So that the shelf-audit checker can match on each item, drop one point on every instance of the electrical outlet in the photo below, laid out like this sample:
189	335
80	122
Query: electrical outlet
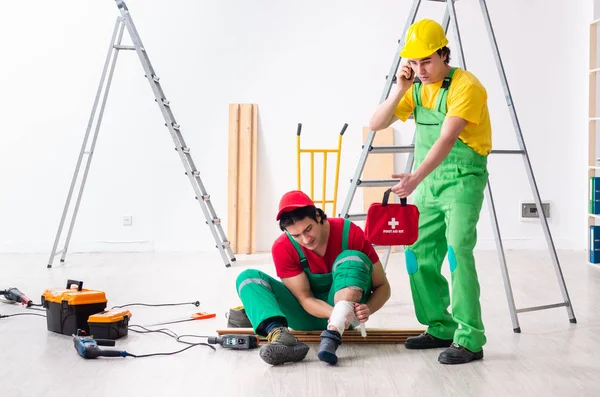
529	210
127	220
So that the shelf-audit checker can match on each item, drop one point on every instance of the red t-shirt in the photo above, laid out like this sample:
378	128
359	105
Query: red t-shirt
287	260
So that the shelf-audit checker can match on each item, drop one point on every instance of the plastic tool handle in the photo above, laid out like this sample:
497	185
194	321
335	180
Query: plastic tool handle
111	353
202	315
79	284
299	129
14	294
105	342
344	128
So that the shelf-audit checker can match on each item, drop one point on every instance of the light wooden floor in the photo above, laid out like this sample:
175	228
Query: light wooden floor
549	358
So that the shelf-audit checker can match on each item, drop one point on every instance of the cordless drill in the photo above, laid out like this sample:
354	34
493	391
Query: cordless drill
237	342
87	347
13	294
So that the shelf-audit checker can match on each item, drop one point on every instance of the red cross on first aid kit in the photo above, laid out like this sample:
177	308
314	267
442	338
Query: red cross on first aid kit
392	224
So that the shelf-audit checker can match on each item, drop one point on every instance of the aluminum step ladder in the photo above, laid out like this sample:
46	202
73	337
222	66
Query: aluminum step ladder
213	221
368	149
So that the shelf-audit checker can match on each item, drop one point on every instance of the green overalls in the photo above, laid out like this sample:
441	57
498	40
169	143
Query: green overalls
265	298
449	201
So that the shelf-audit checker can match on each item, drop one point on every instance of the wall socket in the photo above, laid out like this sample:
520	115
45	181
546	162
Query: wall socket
127	220
529	210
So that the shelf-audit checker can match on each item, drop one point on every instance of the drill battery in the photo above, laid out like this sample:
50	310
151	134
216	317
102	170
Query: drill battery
68	310
111	324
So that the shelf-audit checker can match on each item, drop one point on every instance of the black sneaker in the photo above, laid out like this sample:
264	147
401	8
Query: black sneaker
283	347
426	341
457	354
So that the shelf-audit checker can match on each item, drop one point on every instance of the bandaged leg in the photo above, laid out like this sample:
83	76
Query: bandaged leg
341	316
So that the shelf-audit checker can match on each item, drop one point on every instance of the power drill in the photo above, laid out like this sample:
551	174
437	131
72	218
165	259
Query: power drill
13	294
236	342
87	347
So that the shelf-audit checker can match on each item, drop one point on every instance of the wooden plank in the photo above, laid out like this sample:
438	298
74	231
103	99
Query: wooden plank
254	181
378	166
233	152
374	335
245	180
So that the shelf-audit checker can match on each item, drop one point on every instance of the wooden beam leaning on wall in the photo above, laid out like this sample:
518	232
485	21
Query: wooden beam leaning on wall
243	148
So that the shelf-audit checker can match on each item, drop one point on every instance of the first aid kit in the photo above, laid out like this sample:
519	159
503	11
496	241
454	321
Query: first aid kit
390	224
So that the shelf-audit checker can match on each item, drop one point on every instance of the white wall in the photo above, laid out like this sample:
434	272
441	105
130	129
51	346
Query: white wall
319	63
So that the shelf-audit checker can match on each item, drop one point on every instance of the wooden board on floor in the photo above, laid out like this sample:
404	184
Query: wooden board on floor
378	166
374	335
243	145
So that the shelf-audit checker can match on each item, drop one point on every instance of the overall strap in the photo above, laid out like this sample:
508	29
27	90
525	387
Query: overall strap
440	105
345	234
303	260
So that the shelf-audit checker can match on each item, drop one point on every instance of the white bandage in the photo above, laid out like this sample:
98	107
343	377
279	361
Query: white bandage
343	312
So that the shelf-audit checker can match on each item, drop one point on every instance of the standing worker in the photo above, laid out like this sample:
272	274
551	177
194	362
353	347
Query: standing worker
452	142
331	278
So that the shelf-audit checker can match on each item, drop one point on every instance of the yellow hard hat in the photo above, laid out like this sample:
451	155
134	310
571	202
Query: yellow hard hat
423	38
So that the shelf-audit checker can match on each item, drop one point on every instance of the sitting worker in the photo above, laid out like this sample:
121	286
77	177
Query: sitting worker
331	279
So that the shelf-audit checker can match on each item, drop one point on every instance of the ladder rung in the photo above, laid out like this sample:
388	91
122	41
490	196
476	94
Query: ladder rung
175	126
532	309
195	173
124	47
391	149
356	217
185	150
87	152
508	151
216	221
377	182
165	102
59	252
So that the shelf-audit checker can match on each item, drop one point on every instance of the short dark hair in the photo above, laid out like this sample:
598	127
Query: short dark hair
291	217
444	51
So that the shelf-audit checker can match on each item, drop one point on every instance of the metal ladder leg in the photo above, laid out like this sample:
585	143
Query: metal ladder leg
214	223
530	175
112	53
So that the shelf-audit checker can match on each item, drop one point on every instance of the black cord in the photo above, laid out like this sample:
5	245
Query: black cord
36	309
189	336
167	354
196	303
21	314
169	333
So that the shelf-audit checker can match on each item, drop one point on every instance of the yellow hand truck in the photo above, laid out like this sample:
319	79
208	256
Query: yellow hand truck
323	200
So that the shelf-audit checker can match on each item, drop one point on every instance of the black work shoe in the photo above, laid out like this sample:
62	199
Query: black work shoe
237	318
457	354
426	341
283	347
330	340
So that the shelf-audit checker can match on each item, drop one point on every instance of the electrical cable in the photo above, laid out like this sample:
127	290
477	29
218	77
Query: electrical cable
21	314
171	334
196	303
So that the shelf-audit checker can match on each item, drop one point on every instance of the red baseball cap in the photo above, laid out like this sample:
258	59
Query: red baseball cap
292	200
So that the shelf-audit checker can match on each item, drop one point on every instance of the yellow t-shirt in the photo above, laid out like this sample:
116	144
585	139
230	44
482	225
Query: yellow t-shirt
467	99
